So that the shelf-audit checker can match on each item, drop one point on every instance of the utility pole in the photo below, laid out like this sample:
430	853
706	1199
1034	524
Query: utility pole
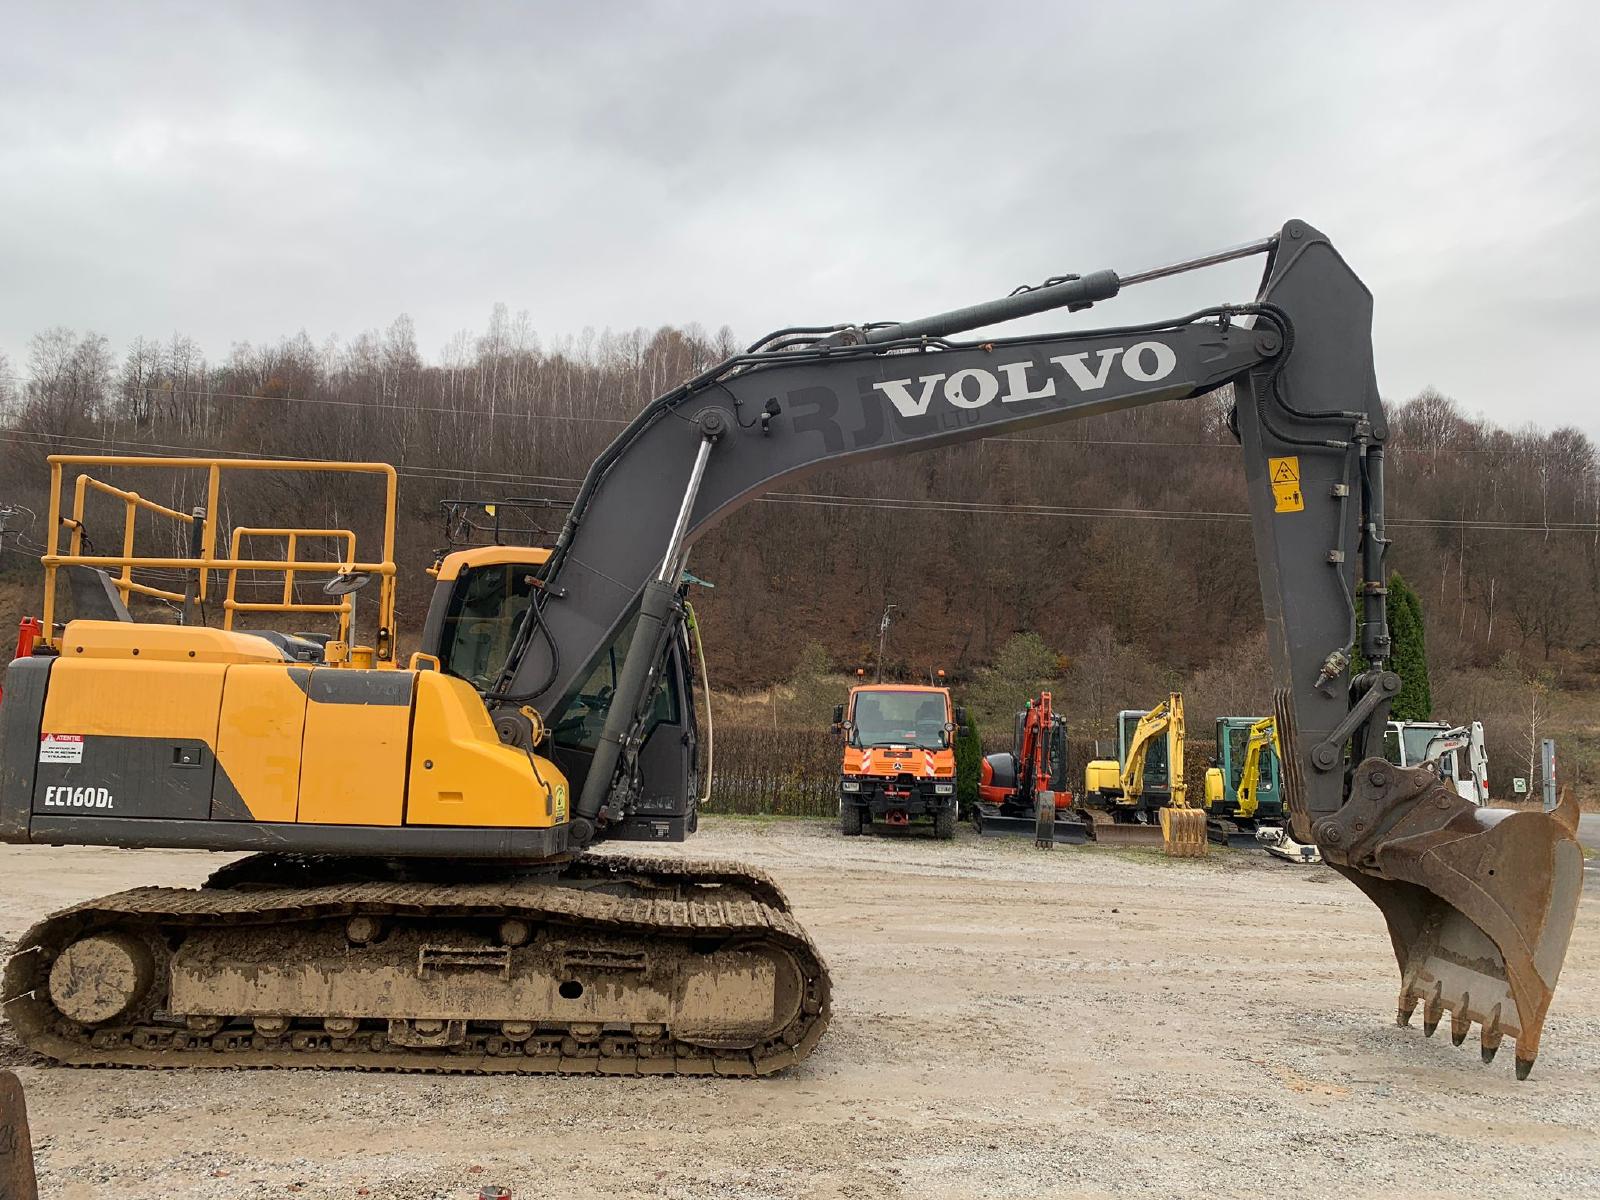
883	635
1547	772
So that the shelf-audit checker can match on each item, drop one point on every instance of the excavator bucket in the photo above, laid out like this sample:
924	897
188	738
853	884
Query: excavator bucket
1183	832
17	1181
1480	906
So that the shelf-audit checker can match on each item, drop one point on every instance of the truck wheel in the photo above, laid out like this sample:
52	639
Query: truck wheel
944	823
850	818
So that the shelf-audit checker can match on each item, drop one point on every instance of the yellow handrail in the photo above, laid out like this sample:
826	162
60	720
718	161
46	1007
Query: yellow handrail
133	504
207	561
343	606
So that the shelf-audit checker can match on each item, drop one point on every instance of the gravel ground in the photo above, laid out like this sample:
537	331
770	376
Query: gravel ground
1007	1022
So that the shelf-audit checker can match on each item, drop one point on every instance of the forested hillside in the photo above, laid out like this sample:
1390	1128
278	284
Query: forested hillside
1120	541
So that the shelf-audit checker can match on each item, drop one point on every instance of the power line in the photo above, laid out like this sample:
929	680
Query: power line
498	414
405	470
992	508
906	504
504	414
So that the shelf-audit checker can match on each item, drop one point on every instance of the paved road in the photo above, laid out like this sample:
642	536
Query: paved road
1589	838
946	957
1589	830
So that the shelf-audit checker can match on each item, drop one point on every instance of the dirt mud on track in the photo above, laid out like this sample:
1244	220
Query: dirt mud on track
1007	1022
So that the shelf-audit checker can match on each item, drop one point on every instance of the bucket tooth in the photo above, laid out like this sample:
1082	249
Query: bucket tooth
1408	1005
1461	1020
1524	1067
1490	1035
1432	1011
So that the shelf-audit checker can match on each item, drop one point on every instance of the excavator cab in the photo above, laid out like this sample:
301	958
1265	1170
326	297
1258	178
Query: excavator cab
1157	789
483	612
480	600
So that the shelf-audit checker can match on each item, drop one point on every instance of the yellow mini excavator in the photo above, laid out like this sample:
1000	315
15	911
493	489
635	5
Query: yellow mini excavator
1140	795
420	893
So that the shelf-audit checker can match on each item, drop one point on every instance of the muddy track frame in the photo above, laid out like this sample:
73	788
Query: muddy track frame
716	905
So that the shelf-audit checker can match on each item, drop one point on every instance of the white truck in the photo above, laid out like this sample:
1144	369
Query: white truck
1455	751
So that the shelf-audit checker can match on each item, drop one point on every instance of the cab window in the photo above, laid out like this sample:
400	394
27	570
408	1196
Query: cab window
584	718
486	606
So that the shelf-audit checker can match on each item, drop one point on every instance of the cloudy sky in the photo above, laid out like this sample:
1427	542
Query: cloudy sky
241	172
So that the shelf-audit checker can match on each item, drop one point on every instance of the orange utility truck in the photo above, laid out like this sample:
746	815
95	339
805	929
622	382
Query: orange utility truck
899	757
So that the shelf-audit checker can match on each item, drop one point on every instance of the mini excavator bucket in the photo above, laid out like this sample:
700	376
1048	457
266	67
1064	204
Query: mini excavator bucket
1183	832
1480	904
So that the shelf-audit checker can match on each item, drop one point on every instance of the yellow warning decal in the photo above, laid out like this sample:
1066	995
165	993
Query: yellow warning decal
1285	476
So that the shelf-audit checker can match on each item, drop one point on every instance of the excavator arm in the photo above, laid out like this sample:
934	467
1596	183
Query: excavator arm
1262	734
1165	720
1480	913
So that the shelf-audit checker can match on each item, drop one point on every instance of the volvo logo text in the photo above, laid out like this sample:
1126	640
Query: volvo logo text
974	387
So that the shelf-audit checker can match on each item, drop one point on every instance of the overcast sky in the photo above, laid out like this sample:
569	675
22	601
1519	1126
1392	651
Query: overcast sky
241	172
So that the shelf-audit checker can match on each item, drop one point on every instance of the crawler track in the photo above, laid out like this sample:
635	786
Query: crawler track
650	937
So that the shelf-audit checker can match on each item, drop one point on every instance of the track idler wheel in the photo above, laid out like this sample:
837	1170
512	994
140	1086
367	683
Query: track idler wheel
1480	904
101	977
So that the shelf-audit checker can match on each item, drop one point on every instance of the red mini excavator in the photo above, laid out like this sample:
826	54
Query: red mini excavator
1024	792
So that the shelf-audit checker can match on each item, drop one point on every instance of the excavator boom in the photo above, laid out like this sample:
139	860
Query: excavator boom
1480	913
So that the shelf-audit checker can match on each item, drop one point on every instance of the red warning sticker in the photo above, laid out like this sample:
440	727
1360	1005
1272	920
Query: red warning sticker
61	747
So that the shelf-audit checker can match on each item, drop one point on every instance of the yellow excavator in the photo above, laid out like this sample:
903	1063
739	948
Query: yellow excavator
1260	737
1244	791
419	892
1140	796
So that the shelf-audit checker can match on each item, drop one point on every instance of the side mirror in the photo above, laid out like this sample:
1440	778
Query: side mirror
963	729
345	582
838	715
961	717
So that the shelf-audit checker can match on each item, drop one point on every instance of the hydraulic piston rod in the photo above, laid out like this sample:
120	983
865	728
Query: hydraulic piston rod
1075	293
656	604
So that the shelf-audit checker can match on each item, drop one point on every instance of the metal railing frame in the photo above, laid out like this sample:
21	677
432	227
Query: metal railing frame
207	562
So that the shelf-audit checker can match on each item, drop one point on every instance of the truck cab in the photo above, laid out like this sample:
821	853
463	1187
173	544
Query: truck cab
899	762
